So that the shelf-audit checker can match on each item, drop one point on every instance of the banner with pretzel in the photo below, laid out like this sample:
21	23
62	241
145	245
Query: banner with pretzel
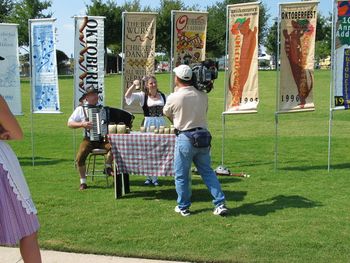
341	72
189	36
89	56
139	51
10	87
242	73
297	37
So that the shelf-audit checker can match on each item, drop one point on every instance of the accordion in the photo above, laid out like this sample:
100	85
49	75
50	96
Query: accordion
101	117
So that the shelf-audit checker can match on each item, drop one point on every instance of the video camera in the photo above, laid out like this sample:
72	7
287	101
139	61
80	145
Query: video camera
204	74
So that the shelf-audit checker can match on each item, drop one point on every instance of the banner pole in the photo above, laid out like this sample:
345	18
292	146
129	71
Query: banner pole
329	139
172	60
223	139
277	87
31	92
276	141
123	60
332	86
221	169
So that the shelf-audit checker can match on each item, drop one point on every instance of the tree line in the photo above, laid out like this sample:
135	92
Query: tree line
19	11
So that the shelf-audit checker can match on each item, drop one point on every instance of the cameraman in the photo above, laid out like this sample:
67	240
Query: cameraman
187	108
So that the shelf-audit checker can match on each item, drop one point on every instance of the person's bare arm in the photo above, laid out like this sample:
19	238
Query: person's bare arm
132	88
10	129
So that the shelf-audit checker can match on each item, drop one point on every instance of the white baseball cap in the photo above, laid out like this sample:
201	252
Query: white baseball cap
183	72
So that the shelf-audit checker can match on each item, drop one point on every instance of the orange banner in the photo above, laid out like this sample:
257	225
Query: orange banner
242	81
297	34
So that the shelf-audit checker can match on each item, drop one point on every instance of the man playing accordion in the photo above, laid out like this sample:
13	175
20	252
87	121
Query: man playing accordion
80	119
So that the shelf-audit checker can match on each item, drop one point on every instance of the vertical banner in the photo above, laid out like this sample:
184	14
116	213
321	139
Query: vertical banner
341	72
44	79
190	35
89	55
242	47
297	35
138	49
10	87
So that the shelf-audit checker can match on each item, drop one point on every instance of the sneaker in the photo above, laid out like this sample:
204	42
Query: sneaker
183	212
155	183
147	182
83	186
220	210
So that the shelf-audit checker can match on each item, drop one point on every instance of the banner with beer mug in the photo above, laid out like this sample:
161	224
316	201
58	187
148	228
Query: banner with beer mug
189	36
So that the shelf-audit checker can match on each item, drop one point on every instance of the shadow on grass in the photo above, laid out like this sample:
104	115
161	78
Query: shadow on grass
317	167
271	205
39	161
198	195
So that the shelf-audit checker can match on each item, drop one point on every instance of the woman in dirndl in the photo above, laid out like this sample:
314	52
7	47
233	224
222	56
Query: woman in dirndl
152	101
18	220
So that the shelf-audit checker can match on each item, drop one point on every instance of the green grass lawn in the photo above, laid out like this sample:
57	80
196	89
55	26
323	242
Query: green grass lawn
298	214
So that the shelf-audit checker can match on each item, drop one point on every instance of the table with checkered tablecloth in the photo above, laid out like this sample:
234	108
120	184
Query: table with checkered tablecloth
139	153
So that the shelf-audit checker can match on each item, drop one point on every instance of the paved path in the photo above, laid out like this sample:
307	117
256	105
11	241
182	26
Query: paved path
12	255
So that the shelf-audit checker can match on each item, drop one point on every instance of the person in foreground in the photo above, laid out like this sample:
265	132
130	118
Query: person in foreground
152	101
79	119
187	109
18	220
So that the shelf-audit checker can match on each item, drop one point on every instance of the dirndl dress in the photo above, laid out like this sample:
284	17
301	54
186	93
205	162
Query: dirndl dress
17	210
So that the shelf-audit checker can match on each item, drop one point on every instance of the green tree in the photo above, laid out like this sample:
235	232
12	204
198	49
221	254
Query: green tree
24	10
323	37
113	21
62	60
271	41
6	7
216	32
164	23
112	12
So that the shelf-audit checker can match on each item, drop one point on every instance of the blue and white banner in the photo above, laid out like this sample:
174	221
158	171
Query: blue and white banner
44	82
10	87
89	56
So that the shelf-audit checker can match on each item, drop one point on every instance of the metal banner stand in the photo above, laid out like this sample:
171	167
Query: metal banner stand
332	86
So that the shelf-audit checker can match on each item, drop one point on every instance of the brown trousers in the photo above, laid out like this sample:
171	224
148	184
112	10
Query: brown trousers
86	146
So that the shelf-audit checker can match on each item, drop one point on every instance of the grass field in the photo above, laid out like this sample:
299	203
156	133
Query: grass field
300	213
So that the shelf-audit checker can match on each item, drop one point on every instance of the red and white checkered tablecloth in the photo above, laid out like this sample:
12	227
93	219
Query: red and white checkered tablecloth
143	153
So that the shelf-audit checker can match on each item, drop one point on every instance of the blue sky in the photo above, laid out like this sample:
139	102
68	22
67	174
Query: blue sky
64	10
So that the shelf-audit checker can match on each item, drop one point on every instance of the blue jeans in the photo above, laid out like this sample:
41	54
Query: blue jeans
185	153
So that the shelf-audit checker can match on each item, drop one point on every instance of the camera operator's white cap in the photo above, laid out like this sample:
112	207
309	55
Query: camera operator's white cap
183	72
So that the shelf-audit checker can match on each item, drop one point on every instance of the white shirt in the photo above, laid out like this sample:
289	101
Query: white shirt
140	98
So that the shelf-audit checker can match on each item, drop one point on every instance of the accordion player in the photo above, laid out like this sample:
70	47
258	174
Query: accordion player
101	117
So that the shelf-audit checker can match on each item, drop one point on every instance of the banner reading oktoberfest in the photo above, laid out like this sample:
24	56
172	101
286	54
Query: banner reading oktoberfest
341	74
242	82
10	87
139	50
297	35
189	40
88	56
45	97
